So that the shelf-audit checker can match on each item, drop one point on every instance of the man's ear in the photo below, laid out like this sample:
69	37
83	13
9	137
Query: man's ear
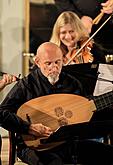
36	60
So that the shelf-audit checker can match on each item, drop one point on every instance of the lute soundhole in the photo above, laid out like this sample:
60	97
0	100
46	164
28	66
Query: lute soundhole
63	115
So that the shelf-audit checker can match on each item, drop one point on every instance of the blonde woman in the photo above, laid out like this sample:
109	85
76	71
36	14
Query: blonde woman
69	33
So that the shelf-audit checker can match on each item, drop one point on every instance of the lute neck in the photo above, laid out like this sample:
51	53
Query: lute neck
103	101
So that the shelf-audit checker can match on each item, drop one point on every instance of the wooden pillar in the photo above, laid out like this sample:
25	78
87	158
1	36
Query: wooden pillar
26	54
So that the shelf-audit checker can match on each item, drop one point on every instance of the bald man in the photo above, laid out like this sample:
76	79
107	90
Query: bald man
45	79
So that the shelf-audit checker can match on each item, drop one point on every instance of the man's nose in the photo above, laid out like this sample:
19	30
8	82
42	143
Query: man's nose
53	66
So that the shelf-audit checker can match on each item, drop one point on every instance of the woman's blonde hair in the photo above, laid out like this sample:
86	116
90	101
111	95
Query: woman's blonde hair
68	17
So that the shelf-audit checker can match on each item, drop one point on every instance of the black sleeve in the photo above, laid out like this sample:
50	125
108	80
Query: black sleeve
98	53
67	5
8	109
90	8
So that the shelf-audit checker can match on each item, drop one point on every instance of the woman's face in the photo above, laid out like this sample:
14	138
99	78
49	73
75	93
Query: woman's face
68	36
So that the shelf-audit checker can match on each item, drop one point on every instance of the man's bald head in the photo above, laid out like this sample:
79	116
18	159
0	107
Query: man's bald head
48	47
49	59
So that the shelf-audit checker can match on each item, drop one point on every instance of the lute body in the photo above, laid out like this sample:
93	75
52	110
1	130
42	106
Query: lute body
57	110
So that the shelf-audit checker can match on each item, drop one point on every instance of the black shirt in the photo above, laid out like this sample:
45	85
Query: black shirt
32	86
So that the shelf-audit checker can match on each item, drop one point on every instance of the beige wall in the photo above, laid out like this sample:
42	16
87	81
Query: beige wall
11	38
42	1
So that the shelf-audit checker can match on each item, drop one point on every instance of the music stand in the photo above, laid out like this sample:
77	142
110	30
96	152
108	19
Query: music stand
81	131
86	73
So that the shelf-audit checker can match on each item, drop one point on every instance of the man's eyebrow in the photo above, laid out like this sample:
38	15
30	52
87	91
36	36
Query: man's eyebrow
47	62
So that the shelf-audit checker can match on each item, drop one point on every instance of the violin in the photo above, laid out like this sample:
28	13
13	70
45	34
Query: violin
84	56
86	51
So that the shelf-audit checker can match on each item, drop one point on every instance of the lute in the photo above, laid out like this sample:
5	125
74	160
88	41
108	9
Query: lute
57	110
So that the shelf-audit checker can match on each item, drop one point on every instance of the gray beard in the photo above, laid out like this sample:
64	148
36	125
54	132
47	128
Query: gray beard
53	79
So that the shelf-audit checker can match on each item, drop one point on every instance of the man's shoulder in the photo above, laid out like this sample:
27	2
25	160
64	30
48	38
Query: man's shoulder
33	74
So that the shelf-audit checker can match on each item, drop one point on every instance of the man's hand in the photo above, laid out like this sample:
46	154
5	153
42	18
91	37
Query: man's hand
7	79
107	7
40	130
88	23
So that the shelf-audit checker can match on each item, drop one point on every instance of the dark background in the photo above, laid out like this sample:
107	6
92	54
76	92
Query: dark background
43	17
